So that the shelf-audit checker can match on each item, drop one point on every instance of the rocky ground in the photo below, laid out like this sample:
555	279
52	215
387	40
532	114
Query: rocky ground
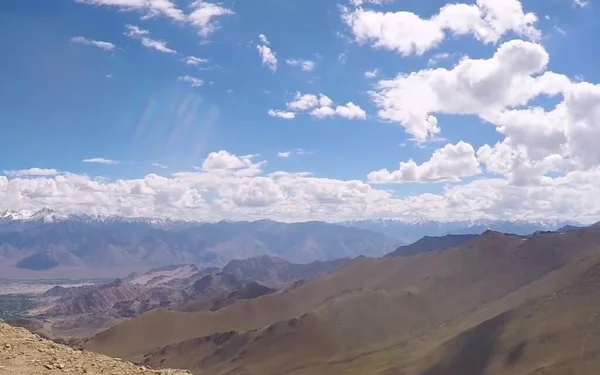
23	353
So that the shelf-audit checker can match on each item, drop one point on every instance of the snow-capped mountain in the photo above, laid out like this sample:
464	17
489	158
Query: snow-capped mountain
48	215
46	240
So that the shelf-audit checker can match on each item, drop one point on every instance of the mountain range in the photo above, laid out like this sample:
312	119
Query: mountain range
496	304
48	244
410	231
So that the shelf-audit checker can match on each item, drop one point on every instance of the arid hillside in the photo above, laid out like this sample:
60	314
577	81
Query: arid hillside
23	353
497	305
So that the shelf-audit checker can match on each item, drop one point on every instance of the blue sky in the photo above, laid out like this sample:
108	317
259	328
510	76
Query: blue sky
66	100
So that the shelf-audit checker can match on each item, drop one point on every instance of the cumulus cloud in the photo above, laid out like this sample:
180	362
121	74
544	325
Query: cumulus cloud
538	139
407	33
511	78
100	161
266	53
449	163
225	161
320	106
303	102
135	32
152	8
106	46
193	81
350	111
305	65
229	186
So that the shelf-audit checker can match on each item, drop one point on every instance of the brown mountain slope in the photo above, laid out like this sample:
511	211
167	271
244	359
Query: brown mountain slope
385	301
549	327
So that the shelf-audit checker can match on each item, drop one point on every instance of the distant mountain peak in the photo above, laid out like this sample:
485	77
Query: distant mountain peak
48	215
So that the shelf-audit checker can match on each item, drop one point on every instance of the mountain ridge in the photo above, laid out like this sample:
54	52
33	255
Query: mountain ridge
371	307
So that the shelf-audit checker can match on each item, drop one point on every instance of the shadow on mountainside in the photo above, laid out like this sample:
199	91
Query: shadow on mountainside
471	351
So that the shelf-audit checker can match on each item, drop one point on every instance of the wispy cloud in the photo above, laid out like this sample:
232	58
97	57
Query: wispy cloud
289	153
281	114
203	16
100	161
32	172
372	73
193	60
266	53
159	165
193	81
106	46
135	32
305	65
152	8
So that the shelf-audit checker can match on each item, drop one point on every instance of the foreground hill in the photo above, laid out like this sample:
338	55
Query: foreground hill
22	353
498	304
45	244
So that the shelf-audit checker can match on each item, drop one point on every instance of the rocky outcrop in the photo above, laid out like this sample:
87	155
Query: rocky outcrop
22	352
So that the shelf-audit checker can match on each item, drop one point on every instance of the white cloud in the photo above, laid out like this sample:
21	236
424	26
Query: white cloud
234	187
372	73
32	172
350	111
449	163
290	153
305	65
193	81
106	46
376	2
322	106
437	58
193	60
135	32
407	33
152	8
203	16
303	102
100	161
159	165
282	114
223	161
266	54
323	112
263	39
511	78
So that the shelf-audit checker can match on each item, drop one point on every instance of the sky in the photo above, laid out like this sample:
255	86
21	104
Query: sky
298	110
